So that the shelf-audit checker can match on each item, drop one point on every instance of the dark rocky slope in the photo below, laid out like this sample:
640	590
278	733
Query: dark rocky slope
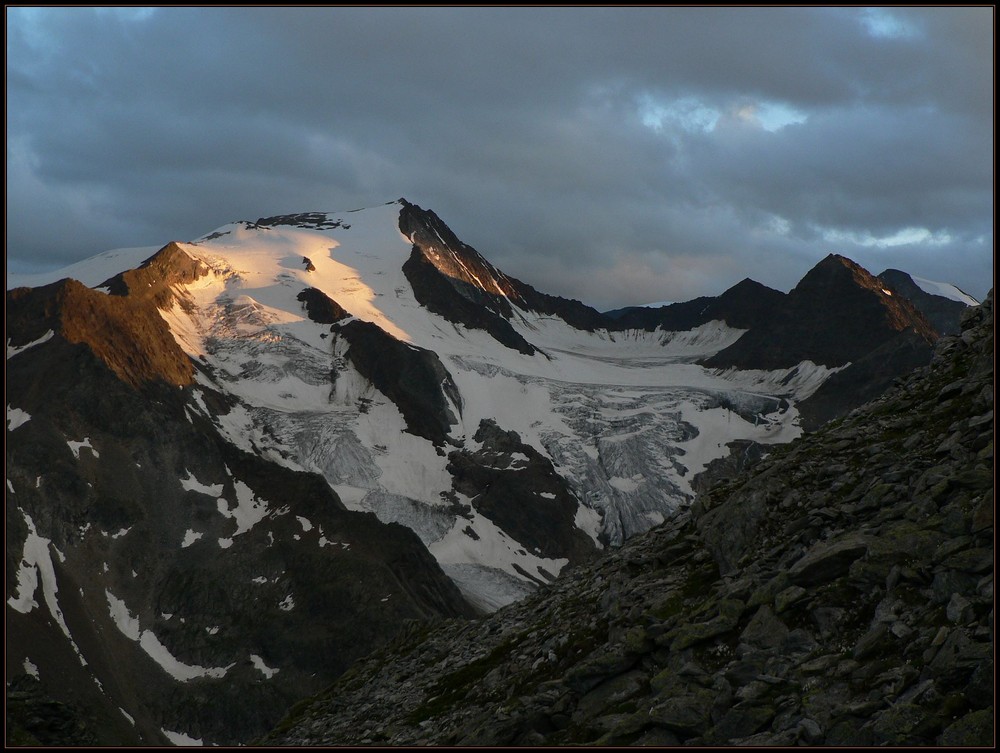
864	379
839	594
413	378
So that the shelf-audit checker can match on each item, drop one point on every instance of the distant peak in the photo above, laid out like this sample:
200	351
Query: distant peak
837	259
835	266
896	272
746	285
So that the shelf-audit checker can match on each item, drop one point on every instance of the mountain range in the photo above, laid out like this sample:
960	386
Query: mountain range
238	464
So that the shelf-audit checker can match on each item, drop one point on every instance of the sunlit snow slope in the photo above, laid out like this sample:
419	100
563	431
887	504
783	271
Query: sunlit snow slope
945	290
626	419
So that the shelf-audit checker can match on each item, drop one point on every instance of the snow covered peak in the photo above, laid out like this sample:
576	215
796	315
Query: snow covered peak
355	258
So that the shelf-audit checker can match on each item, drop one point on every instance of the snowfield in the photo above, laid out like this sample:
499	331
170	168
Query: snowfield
945	290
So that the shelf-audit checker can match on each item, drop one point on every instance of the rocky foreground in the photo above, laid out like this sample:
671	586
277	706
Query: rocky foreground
841	594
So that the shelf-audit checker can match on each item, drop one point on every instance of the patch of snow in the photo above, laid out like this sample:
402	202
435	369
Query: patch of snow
192	484
10	486
487	588
249	510
798	382
588	520
127	715
36	562
259	665
623	484
122	532
225	543
148	642
493	548
181	740
123	619
16	417
30	668
199	400
655	517
13	350
260	579
212	630
287	604
887	292
190	537
945	290
76	446
306	525
351	496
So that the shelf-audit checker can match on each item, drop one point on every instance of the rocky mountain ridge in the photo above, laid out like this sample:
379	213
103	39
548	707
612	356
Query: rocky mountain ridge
841	593
839	312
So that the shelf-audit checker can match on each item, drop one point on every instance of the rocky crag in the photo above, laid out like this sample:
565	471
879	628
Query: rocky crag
841	593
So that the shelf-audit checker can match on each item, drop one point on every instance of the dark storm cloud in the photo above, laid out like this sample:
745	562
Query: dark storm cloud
616	155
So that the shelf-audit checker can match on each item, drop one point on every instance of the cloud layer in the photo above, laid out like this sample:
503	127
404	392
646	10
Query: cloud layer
613	155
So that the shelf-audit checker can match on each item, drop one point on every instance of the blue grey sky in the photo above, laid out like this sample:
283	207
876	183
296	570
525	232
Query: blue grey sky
615	155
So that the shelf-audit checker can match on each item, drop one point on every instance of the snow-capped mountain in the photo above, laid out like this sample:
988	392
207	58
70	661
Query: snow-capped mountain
369	346
196	434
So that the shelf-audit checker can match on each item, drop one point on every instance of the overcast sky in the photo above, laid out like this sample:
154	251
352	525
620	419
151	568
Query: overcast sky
614	155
